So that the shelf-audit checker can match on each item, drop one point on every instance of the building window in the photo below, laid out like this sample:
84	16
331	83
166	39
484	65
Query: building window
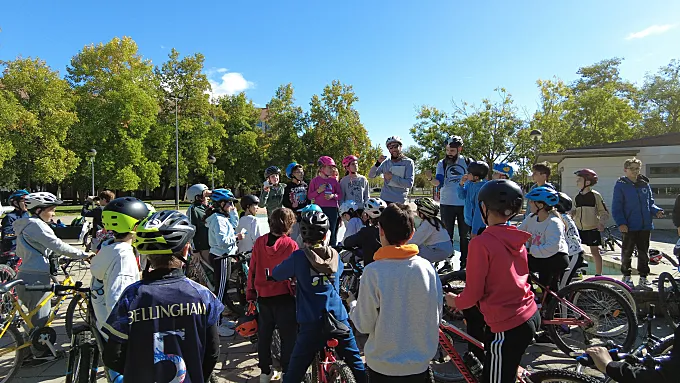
663	170
665	191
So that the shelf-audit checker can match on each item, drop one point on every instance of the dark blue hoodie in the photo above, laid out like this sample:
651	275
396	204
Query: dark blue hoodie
633	204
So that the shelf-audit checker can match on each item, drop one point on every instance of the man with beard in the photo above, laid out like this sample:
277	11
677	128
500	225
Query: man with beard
450	171
397	172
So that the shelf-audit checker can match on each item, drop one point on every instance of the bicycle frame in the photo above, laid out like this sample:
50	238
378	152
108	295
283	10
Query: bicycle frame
329	358
586	321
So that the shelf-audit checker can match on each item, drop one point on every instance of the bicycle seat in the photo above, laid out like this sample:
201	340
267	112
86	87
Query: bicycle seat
451	276
4	288
332	343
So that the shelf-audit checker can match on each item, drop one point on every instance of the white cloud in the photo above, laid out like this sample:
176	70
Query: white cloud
653	30
229	83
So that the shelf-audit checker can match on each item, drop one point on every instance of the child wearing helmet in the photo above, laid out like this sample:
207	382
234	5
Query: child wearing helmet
504	298
368	238
200	247
275	300
317	268
564	207
349	213
325	191
36	246
397	172
15	200
431	236
272	190
115	267
468	188
591	214
248	224
165	313
354	186
502	171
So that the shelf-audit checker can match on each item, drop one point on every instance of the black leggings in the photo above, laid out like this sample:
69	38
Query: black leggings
549	269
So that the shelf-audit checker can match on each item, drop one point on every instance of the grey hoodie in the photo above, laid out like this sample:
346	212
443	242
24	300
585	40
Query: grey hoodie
36	241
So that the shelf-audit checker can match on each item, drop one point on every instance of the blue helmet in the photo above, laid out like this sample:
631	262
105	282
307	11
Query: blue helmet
219	195
504	168
17	195
311	207
544	194
289	169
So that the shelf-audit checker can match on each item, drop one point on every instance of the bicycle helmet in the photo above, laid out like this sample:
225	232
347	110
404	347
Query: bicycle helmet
314	226
544	194
427	207
122	214
374	207
247	324
454	141
655	256
164	232
310	207
17	195
270	171
503	196
478	169
348	160
219	195
392	140
41	199
249	201
565	204
290	168
150	207
325	161
588	175
504	168
348	206
196	191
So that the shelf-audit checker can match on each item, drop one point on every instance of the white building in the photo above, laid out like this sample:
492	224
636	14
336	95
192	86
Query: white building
660	156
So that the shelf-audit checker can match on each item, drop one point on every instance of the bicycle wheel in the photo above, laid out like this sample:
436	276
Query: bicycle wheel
453	282
612	316
7	274
339	372
276	345
316	369
561	376
11	356
82	356
618	286
76	314
236	294
442	367
669	299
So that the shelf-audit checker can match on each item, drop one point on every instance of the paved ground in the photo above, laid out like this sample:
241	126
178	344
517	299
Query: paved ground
238	359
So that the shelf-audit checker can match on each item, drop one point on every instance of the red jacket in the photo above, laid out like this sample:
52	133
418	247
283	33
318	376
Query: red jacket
497	278
268	257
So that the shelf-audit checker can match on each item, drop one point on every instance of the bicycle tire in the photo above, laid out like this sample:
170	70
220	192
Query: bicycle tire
622	306
235	296
83	355
78	302
442	377
561	376
316	369
663	346
339	372
7	274
618	286
669	299
453	282
276	345
19	354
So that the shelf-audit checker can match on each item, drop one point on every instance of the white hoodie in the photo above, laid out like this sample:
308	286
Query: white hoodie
547	237
113	269
252	229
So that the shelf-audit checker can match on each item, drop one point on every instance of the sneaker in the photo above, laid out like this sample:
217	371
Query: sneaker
544	340
645	284
228	323
225	331
628	280
266	378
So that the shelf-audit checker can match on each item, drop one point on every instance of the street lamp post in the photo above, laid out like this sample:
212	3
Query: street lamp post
211	161
92	153
536	137
176	152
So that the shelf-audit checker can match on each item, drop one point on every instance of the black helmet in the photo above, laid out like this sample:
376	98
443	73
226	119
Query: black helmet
248	201
501	195
164	232
565	205
313	226
454	141
122	214
478	169
271	171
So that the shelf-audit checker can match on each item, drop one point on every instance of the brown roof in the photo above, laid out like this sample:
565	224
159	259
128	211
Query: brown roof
263	114
670	139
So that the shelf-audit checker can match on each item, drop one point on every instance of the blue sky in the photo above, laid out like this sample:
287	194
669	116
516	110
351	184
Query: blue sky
397	54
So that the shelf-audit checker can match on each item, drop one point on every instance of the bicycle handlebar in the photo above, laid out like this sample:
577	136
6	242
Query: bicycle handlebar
58	288
236	256
648	360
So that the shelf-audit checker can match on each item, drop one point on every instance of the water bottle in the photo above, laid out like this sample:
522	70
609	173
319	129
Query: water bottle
473	364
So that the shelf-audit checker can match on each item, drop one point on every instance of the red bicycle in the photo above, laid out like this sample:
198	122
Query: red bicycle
326	368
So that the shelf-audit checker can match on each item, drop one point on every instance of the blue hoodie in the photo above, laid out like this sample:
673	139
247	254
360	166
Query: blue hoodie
633	204
221	235
473	215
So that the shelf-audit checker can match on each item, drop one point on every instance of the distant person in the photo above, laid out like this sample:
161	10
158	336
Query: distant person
397	172
99	235
591	214
272	190
502	171
15	200
354	186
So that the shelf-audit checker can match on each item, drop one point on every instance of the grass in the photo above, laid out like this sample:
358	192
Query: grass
72	210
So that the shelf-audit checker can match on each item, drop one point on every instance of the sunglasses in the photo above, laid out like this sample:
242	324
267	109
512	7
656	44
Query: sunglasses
393	146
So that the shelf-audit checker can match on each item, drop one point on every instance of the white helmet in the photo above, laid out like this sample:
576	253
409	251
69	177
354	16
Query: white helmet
374	207
41	199
196	191
348	206
393	139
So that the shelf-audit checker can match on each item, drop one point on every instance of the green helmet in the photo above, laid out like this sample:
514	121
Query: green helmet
122	214
164	232
427	207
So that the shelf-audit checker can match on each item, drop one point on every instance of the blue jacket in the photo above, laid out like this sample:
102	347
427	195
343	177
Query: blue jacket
9	239
313	290
633	204
473	215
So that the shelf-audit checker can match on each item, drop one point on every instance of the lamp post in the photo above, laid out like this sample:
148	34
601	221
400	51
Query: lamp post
211	161
91	154
536	137
177	98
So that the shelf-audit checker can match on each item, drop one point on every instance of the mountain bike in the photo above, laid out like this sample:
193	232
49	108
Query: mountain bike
326	368
649	361
669	297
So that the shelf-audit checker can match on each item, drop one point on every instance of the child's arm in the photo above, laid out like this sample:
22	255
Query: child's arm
602	212
477	270
337	190
312	192
285	270
462	191
654	209
50	241
367	192
364	314
617	206
116	283
554	234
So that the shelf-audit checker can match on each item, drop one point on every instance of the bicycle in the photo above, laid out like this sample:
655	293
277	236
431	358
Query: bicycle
237	271
669	297
326	368
649	361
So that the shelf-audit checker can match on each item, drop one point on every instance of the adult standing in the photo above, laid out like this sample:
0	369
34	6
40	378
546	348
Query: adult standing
272	190
397	172
450	171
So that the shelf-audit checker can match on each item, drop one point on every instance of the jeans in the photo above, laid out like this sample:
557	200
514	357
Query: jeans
450	214
437	252
310	341
631	240
332	214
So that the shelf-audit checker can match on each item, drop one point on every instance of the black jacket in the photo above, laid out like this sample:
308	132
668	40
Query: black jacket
667	372
367	239
96	215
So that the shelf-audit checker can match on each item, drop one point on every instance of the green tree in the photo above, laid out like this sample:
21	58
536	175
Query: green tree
117	106
38	112
430	132
661	96
285	124
12	119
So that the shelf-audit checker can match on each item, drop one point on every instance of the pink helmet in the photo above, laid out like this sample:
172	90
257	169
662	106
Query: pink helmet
326	161
348	160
